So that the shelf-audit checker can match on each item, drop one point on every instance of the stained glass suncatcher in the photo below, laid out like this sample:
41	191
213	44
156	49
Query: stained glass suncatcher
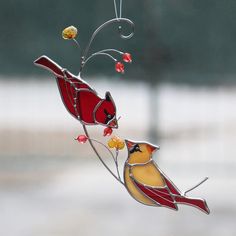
142	177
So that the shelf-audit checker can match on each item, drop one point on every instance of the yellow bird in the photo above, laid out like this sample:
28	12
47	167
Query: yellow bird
147	184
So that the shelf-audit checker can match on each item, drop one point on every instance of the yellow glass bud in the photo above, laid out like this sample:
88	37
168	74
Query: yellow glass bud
69	32
116	142
120	145
111	143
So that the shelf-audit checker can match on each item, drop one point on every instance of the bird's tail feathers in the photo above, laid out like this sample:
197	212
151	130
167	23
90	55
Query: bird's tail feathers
195	202
183	199
50	65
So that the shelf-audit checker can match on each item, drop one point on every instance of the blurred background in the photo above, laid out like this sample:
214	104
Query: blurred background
179	93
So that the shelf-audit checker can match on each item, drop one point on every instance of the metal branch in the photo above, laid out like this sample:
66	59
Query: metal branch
98	155
111	50
97	54
205	179
113	157
117	165
77	43
115	20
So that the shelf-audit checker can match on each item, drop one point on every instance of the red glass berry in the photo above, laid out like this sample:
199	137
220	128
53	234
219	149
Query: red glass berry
127	57
107	131
120	68
82	139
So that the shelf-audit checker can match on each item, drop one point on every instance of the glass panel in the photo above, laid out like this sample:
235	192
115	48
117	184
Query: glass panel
164	200
133	190
148	174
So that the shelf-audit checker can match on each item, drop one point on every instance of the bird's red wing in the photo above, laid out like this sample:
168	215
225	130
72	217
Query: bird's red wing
161	196
173	189
179	198
74	93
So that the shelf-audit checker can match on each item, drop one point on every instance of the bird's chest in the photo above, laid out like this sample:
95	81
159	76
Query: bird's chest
148	174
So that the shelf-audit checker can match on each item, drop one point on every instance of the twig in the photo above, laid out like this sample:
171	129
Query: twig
99	157
205	179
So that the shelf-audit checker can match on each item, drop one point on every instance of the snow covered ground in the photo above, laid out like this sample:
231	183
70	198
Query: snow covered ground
52	186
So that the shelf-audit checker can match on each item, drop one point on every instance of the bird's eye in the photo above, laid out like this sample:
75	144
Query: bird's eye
108	116
135	148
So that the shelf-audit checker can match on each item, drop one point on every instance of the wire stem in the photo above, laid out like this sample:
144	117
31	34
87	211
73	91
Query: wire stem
120	8
116	163
97	54
115	20
96	141
205	179
99	157
104	53
115	8
111	50
77	43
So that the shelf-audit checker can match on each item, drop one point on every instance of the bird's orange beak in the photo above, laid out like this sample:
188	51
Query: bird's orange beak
113	124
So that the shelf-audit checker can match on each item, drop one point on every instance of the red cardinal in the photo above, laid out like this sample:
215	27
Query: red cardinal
149	185
79	98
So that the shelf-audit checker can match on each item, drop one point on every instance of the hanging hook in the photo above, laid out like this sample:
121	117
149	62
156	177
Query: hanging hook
118	19
120	9
115	9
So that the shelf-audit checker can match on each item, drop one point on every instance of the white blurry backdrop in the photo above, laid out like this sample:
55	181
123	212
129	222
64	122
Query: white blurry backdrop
52	186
